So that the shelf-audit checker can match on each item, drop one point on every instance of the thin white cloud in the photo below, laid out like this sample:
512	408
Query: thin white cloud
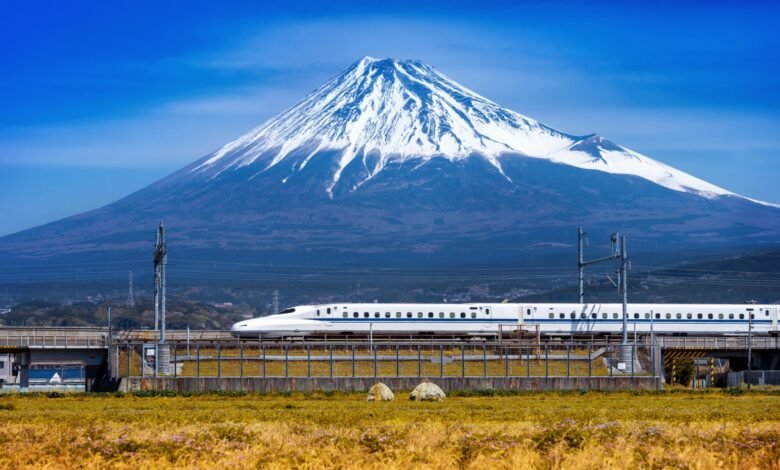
517	71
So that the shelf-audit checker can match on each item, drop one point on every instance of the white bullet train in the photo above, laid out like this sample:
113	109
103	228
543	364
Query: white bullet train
485	319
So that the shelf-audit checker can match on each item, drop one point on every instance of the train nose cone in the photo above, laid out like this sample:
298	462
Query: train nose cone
236	329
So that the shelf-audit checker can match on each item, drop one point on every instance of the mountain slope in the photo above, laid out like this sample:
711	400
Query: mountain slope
392	161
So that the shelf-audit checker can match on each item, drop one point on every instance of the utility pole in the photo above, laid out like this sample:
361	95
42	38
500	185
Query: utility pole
624	287
162	351
581	263
626	350
750	346
156	289
618	250
160	262
109	357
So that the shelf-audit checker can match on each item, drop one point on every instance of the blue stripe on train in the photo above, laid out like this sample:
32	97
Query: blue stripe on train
551	320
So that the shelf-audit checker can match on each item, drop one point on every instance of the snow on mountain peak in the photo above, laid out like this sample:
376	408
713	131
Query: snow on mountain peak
405	109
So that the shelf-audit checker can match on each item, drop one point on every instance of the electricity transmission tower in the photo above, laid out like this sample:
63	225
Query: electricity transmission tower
275	302
130	293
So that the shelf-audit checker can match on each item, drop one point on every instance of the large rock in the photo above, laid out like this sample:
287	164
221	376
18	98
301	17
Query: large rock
380	392
427	391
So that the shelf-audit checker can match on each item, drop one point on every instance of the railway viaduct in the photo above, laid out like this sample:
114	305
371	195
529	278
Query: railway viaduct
24	347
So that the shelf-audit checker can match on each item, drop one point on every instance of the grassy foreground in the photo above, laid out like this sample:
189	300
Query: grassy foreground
539	430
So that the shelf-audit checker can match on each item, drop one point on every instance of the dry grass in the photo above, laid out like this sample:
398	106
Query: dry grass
544	430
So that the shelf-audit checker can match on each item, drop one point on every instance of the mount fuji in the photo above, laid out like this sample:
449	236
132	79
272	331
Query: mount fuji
393	160
380	112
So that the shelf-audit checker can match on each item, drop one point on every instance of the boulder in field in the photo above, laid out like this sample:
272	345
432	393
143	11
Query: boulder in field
380	392
427	391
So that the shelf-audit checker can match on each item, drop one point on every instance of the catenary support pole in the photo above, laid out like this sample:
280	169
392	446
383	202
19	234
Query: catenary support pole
624	286
580	264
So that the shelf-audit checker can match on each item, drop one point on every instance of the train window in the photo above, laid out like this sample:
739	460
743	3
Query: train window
679	315
487	311
552	315
563	315
397	314
709	316
452	314
689	316
387	314
430	314
318	313
528	311
572	315
766	314
720	316
419	314
583	315
731	316
699	316
604	315
636	315
328	310
594	315
462	314
741	316
752	315
345	314
441	314
408	314
473	314
615	315
376	314
668	316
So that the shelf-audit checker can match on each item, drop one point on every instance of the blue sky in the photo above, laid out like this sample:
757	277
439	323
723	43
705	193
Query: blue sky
99	100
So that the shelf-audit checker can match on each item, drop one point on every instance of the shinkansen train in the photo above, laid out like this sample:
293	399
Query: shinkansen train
484	319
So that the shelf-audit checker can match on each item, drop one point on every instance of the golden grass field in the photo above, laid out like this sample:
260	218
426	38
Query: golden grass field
534	430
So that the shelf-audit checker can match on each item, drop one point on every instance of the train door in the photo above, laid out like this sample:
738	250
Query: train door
774	313
486	312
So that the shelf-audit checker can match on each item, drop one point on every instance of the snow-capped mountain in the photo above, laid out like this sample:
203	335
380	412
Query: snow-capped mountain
391	161
381	111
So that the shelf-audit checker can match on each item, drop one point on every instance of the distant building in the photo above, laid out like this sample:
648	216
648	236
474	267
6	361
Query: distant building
6	369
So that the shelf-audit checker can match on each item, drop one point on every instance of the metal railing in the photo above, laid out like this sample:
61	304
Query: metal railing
725	342
55	341
405	359
756	377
